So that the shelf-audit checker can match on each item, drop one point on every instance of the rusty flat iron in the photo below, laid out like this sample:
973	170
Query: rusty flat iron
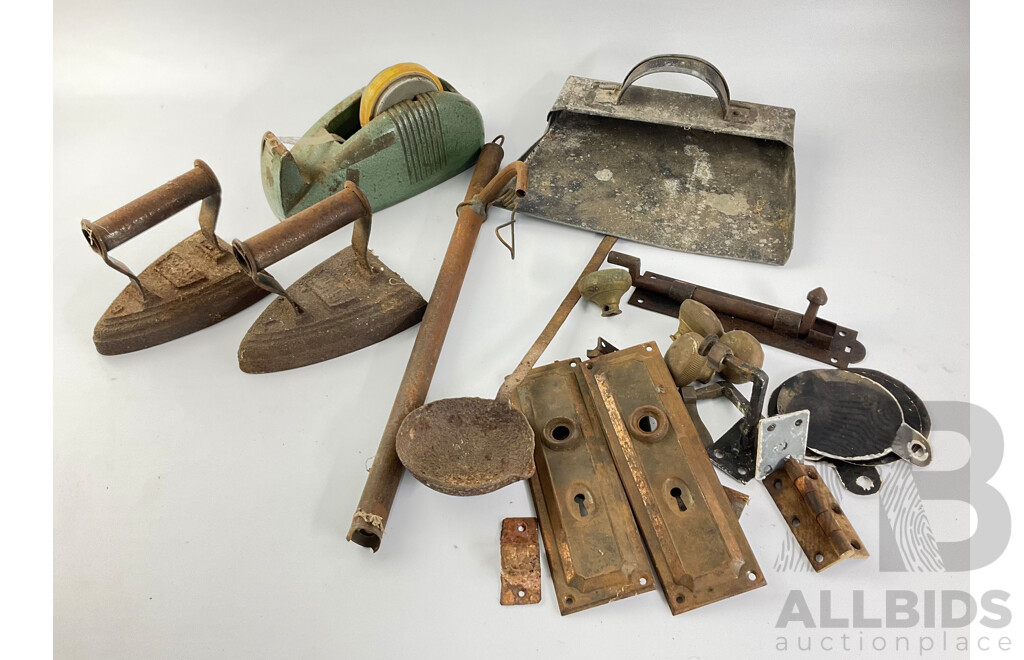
680	171
193	285
348	302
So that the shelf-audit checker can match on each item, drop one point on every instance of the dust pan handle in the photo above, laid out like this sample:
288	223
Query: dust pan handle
687	64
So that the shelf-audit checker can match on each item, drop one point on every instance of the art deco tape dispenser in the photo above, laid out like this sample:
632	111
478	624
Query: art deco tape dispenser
405	132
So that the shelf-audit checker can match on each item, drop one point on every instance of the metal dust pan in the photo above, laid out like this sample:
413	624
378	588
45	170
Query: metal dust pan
681	171
193	285
348	302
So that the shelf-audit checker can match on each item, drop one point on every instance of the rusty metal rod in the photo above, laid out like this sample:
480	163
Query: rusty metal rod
374	507
152	208
513	380
302	229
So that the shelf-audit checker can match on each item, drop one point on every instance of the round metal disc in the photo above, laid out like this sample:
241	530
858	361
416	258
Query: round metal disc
466	446
852	417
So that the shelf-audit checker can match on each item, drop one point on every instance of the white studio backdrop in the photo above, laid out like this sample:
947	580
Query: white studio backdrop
200	512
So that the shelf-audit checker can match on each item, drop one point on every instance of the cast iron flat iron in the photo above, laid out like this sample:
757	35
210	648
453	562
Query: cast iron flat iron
348	302
680	171
193	285
405	132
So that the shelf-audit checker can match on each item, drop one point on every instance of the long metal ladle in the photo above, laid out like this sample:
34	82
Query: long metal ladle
374	507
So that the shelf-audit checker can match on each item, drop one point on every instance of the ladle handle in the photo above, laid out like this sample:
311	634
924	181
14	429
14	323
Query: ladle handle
686	64
135	217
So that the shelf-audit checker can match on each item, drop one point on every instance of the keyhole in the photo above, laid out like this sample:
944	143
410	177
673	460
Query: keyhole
581	499
678	494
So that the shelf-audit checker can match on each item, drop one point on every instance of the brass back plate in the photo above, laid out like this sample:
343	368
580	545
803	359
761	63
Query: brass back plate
593	546
685	516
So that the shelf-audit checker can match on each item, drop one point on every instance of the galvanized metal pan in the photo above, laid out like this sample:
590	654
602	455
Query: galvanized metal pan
685	172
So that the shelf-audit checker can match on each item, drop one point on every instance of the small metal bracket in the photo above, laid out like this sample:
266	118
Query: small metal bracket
735	453
778	438
602	348
520	562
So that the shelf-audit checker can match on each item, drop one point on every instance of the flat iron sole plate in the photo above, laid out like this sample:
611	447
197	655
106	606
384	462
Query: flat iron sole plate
687	190
190	287
345	308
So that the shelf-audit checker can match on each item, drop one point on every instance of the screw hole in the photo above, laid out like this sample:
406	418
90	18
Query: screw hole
680	599
778	484
813	475
521	528
643	581
560	432
819	557
842	333
856	544
649	349
751	575
568	600
719	453
834	360
640	300
647	424
771	427
836	510
521	593
795	522
798	422
741	470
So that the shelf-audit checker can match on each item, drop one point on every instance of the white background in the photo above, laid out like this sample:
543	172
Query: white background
201	512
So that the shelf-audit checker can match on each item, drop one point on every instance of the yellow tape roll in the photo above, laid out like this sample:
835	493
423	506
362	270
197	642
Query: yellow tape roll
384	80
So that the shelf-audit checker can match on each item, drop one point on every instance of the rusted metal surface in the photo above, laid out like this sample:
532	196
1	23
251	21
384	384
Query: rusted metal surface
192	286
471	446
374	506
803	334
520	562
687	521
680	171
557	319
813	515
285	238
348	302
737	499
603	347
466	446
593	546
345	305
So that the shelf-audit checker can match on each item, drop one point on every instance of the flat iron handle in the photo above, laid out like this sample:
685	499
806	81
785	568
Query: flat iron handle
693	66
304	228
135	217
154	207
